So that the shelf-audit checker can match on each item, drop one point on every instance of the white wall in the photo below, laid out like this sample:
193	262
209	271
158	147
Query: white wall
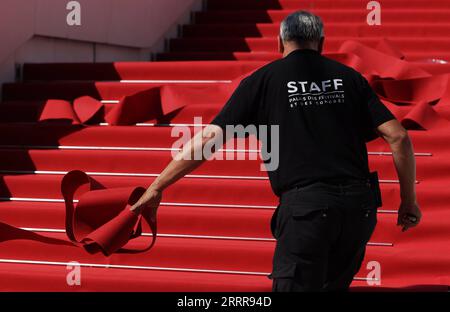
111	30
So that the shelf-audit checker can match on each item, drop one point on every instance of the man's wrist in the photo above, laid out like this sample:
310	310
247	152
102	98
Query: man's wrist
155	188
410	200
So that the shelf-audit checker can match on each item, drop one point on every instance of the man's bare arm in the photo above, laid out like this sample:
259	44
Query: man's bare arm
403	155
181	165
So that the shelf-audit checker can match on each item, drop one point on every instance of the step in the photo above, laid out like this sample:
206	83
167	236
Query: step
198	191
231	165
72	136
269	44
428	168
137	70
321	4
412	265
54	135
331	30
204	254
196	56
230	45
168	252
188	190
125	163
70	90
30	111
231	223
65	136
53	277
22	276
51	249
236	224
399	16
421	57
36	91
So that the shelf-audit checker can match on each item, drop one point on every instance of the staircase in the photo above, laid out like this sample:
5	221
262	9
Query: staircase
214	224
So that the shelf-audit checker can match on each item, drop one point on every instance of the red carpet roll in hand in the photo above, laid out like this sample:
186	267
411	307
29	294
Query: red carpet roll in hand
102	220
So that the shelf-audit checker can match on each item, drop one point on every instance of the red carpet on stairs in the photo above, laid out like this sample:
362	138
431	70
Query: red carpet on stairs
114	121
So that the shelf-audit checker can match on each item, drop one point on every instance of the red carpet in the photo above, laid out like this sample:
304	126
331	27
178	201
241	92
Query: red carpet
114	122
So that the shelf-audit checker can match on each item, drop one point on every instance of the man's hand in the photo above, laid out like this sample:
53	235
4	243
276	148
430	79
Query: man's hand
150	200
409	215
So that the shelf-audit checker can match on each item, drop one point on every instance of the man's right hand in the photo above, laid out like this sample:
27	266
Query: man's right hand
409	215
149	200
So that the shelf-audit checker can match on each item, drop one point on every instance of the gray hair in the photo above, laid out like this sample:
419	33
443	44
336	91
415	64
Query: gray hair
301	26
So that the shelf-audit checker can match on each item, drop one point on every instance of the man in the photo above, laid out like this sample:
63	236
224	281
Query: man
325	112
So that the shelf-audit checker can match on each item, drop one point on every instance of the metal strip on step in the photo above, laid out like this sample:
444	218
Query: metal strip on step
128	148
132	267
189	176
153	268
238	238
57	200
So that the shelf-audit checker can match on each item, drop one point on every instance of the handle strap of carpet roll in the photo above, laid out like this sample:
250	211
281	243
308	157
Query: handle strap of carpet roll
71	182
149	216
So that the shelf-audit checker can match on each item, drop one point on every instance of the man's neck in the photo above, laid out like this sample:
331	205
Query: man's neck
290	48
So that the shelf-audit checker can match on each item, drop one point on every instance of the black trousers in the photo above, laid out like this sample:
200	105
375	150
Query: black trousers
321	231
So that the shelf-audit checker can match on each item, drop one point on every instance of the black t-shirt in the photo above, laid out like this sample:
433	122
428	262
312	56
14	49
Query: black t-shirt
326	112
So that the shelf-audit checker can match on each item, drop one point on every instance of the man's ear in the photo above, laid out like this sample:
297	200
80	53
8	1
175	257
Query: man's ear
280	45
321	43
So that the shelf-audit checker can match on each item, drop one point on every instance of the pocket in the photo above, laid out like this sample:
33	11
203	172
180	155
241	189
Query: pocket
286	270
309	228
309	210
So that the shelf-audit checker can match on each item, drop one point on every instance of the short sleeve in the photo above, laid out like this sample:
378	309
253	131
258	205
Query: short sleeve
242	107
378	113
